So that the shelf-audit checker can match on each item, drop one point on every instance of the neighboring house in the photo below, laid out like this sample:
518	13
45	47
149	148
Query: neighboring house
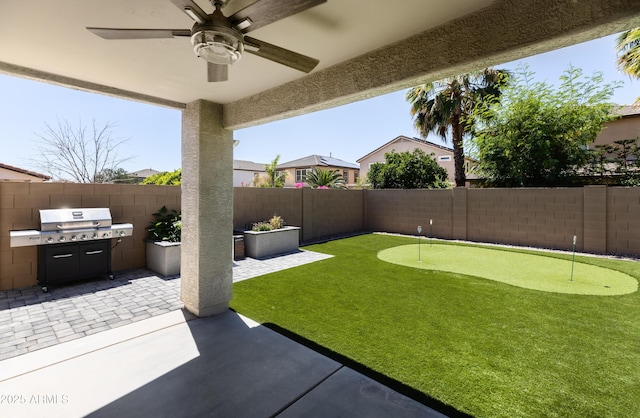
627	126
443	155
8	172
245	171
140	175
297	169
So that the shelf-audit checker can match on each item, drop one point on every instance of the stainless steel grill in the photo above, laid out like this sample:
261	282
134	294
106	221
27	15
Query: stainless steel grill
72	244
71	225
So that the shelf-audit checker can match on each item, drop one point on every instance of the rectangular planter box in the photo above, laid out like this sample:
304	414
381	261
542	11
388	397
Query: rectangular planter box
163	257
260	244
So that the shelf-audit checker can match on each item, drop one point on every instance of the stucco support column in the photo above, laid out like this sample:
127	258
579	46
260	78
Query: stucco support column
207	210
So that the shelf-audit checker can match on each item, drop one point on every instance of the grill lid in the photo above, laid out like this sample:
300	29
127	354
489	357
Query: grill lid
64	219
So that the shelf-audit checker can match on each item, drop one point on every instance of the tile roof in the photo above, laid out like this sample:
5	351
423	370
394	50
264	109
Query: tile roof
145	172
626	110
406	138
23	171
247	165
318	161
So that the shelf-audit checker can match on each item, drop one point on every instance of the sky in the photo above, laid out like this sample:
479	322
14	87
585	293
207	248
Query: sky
348	132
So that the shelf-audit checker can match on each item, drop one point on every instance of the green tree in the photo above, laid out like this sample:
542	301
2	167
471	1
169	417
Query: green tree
319	177
166	178
618	162
408	170
537	135
118	175
628	53
444	106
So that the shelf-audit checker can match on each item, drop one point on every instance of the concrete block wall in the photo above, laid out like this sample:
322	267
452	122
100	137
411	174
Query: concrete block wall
329	212
545	218
623	220
605	220
318	212
402	211
20	203
252	205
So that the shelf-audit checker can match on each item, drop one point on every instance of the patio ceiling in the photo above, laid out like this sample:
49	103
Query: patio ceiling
365	48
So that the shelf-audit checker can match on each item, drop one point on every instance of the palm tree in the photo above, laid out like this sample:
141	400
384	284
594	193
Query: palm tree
319	177
275	178
445	105
628	51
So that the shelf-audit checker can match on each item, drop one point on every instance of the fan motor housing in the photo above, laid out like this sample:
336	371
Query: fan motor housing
217	42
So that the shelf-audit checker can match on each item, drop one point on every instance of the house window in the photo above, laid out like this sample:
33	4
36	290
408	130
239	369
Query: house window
444	158
345	176
356	176
301	173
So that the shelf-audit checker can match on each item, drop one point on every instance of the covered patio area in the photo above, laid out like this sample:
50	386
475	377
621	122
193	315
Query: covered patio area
364	48
225	365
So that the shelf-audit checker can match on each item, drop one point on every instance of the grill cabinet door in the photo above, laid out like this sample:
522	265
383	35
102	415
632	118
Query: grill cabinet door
94	259
58	263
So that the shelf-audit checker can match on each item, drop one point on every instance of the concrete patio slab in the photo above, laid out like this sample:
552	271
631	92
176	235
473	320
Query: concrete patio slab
348	393
226	366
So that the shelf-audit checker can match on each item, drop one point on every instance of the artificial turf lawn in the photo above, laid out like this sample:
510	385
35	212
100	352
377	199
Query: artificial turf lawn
483	347
536	272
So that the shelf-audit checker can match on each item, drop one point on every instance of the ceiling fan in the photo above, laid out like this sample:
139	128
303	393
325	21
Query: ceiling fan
221	40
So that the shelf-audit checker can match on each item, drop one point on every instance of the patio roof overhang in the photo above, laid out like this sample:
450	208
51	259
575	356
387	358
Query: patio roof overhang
365	47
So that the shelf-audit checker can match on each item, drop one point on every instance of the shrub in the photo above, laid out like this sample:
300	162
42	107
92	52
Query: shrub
167	226
276	222
262	226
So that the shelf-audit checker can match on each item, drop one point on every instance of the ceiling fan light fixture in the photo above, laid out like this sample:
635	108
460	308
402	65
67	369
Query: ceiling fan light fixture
217	46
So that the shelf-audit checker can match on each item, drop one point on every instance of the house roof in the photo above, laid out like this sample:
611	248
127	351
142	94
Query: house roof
145	172
23	171
247	165
318	161
406	138
627	110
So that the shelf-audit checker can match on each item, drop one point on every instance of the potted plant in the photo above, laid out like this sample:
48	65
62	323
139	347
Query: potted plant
271	237
163	242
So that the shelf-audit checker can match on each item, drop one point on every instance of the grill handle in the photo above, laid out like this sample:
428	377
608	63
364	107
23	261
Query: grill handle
93	252
73	227
63	256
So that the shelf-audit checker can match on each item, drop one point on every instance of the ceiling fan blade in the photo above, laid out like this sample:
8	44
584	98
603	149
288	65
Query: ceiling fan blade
263	12
191	9
109	33
280	55
217	72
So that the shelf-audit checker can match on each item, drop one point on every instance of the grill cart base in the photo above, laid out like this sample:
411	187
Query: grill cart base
60	263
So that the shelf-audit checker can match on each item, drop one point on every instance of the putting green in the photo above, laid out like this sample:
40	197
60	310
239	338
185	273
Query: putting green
529	271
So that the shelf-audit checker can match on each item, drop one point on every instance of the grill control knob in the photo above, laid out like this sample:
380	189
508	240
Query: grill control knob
49	239
105	235
95	236
62	239
121	233
84	237
74	238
